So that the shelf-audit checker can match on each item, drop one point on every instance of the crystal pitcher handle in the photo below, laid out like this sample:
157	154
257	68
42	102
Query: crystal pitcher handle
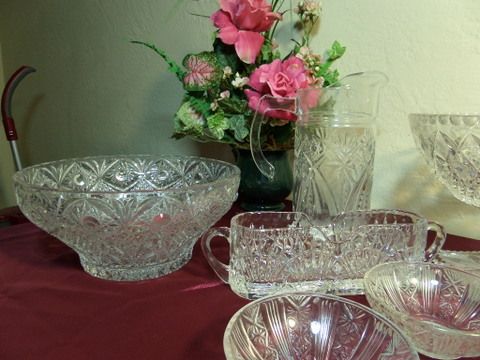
267	103
440	237
218	267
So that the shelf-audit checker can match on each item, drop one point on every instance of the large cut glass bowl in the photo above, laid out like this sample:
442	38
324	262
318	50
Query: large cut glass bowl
451	147
128	217
437	306
312	326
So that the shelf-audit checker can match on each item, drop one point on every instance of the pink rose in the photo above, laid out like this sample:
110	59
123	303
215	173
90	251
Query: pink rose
241	22
278	79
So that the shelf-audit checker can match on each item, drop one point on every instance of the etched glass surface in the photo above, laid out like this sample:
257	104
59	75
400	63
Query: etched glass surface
451	146
128	218
267	251
317	327
333	165
436	306
272	252
465	260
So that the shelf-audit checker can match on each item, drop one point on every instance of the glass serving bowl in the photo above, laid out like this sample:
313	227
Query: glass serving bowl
128	217
312	326
451	146
464	260
438	307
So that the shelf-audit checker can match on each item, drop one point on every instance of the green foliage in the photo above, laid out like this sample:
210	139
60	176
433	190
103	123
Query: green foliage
268	53
238	124
336	51
226	56
233	105
188	121
217	124
215	106
172	65
330	76
199	104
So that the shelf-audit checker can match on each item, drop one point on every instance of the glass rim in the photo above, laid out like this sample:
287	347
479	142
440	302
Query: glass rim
18	176
415	216
436	117
234	220
423	264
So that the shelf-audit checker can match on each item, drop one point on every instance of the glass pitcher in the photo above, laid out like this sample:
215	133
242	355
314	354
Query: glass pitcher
334	144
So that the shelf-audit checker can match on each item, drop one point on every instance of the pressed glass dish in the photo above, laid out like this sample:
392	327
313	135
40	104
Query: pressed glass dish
312	326
273	252
358	240
464	260
128	217
436	306
451	146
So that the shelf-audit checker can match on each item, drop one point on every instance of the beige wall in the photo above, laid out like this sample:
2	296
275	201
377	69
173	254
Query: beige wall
94	93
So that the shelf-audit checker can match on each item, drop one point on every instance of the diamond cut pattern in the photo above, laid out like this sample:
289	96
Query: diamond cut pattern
451	146
124	215
333	169
330	259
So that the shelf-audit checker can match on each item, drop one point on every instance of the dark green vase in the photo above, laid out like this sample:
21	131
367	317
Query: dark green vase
256	191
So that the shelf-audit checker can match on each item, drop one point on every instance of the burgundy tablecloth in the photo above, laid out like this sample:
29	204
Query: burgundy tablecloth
51	309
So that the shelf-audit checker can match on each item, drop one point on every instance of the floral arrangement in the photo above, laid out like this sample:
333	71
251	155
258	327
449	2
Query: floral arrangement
223	86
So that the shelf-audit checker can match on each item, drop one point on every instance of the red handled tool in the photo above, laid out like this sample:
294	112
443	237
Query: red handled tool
6	108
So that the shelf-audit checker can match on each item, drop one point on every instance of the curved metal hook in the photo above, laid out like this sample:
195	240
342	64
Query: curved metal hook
6	104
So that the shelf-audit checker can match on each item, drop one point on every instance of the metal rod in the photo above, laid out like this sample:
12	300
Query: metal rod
6	111
16	155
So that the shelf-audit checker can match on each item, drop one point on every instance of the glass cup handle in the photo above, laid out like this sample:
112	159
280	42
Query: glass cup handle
218	267
440	237
266	103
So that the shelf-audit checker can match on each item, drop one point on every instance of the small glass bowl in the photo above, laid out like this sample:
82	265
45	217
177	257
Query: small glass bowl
437	307
313	326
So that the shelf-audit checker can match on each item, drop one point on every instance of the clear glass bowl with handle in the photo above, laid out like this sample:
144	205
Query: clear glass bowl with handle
313	326
451	146
284	251
436	306
128	217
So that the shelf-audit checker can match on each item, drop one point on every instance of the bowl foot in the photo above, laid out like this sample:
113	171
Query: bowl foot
118	273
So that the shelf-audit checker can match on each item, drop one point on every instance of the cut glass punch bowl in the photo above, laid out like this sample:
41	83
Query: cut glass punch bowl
128	217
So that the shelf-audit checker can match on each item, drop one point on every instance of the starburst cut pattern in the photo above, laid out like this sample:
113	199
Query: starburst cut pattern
331	259
336	166
128	217
299	326
437	307
451	146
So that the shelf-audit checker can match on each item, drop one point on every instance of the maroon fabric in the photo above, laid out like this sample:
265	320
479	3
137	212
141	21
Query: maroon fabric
11	216
51	309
